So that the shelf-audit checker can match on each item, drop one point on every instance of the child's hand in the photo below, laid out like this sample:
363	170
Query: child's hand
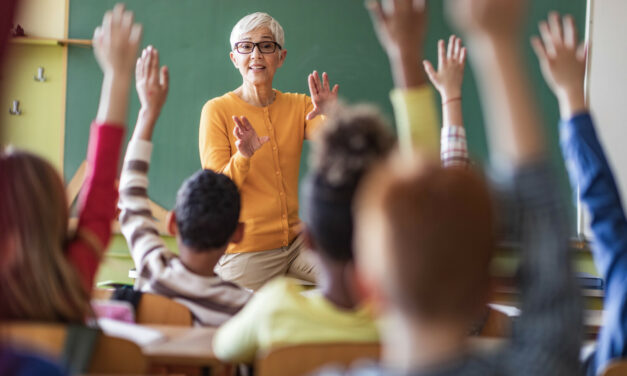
116	42
399	24
151	82
562	60
450	74
495	19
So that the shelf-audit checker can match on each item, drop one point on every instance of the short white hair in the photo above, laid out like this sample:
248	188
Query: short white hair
255	21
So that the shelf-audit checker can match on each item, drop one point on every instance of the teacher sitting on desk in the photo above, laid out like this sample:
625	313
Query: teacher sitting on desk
255	136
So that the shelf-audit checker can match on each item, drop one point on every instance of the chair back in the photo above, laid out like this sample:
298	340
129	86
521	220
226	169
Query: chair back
616	368
303	359
110	355
154	309
159	310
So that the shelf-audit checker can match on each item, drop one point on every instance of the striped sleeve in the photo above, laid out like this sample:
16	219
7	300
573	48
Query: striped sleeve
454	148
136	221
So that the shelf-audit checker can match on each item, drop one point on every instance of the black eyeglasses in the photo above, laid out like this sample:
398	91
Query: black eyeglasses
265	47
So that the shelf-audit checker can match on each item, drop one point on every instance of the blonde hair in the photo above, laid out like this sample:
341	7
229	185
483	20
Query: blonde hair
255	21
37	282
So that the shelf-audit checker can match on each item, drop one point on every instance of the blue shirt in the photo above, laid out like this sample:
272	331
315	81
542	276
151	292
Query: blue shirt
588	167
16	363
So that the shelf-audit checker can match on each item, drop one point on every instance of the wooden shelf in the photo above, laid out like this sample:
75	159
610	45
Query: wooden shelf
50	41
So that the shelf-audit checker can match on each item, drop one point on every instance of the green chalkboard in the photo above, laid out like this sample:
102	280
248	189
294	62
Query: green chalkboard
335	36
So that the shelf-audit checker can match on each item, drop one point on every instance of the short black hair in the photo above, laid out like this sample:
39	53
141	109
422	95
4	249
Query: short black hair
207	210
348	145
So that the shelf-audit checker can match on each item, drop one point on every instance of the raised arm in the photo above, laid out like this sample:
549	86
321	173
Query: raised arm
137	223
401	28
547	338
115	46
563	61
448	81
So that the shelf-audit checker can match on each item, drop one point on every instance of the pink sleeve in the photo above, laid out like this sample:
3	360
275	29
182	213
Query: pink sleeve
97	201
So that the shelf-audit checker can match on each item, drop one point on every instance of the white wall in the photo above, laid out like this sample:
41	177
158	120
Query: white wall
607	81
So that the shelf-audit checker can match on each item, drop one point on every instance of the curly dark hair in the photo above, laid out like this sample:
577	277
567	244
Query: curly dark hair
351	141
207	210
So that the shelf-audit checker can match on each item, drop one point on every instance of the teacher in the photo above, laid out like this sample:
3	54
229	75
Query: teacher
254	134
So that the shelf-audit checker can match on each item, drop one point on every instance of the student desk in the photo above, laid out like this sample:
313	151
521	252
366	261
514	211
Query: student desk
190	346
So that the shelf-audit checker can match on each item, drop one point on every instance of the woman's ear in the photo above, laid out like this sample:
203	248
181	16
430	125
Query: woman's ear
233	60
282	55
170	222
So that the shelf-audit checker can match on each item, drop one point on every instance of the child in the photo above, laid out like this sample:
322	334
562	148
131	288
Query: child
346	146
425	234
45	274
204	220
563	64
448	80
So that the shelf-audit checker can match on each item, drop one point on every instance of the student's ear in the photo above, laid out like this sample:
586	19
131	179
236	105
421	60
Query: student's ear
282	55
238	234
232	56
170	222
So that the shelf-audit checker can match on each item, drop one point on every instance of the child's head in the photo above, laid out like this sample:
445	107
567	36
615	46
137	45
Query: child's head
349	143
207	211
36	280
425	239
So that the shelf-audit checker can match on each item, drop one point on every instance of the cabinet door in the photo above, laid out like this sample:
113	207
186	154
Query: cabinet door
40	127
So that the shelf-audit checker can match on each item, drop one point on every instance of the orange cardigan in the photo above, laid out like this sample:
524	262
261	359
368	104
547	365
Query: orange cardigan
268	181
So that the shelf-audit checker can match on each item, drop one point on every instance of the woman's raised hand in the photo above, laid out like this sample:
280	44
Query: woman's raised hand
450	74
248	142
321	93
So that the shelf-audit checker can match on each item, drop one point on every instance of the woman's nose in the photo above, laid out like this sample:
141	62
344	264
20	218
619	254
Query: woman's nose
256	53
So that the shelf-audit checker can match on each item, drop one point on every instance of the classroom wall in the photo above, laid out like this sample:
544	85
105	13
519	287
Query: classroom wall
607	79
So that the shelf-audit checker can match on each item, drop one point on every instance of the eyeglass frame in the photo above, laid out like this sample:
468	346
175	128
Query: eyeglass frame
258	47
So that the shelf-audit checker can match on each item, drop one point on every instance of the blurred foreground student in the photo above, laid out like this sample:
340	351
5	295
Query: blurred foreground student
425	234
347	145
205	219
563	63
47	274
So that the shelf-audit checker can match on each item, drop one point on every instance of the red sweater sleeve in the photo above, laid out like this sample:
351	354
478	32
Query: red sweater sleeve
97	201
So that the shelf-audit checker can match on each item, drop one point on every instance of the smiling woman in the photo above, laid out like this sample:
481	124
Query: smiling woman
234	129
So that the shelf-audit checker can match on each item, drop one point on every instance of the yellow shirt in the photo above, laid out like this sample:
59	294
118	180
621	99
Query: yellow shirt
268	181
280	314
416	116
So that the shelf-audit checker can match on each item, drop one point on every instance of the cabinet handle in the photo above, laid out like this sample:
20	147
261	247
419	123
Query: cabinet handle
15	108
40	77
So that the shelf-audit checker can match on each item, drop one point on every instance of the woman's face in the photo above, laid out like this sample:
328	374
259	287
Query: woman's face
257	68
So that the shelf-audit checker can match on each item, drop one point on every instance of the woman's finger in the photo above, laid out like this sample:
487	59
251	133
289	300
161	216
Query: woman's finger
325	82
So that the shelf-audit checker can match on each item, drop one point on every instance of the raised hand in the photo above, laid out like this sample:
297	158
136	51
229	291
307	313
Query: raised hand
248	142
450	74
152	86
116	41
401	25
562	61
488	18
151	82
115	46
321	94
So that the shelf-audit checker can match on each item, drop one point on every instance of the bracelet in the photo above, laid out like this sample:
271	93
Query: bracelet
451	100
